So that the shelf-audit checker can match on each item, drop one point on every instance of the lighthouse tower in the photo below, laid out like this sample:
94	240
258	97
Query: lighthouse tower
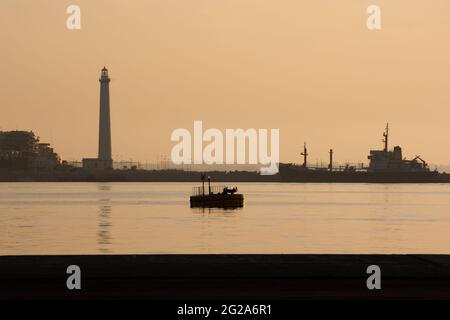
104	159
104	137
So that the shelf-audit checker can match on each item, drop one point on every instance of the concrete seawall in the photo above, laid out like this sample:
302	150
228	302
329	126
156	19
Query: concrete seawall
168	277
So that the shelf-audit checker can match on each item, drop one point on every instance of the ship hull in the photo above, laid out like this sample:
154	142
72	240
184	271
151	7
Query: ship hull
293	173
217	201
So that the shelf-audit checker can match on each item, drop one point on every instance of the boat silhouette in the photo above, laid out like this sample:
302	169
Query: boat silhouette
215	196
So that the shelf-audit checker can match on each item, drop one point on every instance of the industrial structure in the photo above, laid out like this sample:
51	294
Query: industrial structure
104	159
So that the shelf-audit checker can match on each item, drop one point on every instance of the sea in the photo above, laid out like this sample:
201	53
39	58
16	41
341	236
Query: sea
156	218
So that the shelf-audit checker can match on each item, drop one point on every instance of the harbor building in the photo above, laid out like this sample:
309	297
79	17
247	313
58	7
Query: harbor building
22	150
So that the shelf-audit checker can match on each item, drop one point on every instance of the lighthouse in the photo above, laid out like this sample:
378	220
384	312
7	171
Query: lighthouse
104	136
104	159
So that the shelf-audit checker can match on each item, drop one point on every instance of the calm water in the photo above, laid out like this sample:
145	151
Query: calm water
77	218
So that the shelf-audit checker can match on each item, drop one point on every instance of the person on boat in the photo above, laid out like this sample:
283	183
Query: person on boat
227	190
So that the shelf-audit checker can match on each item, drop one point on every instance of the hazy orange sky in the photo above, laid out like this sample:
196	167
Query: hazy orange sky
310	68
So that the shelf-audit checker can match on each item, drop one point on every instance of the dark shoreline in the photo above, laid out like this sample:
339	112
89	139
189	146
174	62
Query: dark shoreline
188	277
308	176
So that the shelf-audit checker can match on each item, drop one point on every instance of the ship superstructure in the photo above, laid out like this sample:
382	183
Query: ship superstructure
392	160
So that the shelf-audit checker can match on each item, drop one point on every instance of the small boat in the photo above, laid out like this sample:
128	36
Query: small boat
215	196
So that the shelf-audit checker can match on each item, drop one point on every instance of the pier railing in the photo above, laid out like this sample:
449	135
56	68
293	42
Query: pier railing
198	191
348	166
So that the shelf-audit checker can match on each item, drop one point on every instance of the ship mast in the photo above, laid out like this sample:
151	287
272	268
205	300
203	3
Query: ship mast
386	137
305	155
330	166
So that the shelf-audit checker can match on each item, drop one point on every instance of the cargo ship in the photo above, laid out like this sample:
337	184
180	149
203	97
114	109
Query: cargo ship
385	166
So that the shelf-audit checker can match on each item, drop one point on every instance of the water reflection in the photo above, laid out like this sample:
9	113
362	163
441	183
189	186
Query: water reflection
226	212
104	238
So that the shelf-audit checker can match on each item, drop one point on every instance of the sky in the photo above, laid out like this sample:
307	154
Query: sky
311	69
